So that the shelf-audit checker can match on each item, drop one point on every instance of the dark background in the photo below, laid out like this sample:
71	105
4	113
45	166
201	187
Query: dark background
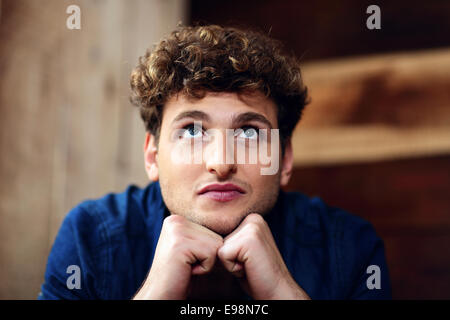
328	29
406	199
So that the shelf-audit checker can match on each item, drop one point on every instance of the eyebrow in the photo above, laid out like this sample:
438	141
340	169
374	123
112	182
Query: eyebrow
250	116
194	114
236	120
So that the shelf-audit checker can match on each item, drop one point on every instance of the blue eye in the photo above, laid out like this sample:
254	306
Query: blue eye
191	131
247	132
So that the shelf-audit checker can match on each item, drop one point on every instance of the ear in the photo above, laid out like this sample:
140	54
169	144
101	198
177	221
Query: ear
287	164
151	157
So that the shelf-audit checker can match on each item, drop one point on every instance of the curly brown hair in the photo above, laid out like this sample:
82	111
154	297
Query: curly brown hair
201	59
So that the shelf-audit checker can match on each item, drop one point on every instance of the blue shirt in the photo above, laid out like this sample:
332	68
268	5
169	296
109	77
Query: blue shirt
112	240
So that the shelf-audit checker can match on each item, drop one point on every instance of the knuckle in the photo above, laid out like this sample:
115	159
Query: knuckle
216	248
222	252
253	230
255	218
173	223
174	233
211	251
215	240
219	242
174	219
257	223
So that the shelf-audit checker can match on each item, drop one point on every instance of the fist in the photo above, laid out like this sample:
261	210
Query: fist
184	249
251	254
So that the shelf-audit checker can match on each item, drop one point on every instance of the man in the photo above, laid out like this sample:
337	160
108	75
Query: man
213	225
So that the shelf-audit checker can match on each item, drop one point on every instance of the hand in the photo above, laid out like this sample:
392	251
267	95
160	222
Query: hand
251	254
184	249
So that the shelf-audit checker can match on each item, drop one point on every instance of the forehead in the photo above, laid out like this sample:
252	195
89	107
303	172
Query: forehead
222	107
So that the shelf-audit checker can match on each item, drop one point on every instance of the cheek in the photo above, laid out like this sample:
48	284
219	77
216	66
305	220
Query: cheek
175	173
260	183
182	153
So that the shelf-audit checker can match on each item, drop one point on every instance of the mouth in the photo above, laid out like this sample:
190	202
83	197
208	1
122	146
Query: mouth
221	192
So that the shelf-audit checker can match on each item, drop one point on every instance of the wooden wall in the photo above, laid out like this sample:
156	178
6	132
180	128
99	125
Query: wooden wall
67	129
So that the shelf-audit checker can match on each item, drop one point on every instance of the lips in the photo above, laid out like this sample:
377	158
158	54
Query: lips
221	192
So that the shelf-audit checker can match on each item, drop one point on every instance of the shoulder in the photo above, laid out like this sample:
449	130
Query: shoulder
88	236
333	222
109	214
349	242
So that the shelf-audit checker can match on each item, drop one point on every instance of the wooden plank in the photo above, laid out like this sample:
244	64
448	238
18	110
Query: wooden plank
355	144
27	130
146	22
90	58
402	89
374	108
66	122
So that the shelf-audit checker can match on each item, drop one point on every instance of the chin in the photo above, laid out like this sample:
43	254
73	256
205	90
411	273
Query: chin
220	225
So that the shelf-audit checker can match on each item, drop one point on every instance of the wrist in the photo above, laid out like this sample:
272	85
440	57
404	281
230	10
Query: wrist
288	289
151	290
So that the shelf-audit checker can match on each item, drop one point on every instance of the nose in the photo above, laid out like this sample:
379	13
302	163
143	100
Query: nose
222	171
219	156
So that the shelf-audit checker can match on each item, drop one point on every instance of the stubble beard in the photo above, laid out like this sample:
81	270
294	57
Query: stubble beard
182	207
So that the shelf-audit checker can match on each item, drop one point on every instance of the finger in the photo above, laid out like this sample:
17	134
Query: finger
239	270
236	268
232	253
202	256
232	258
203	266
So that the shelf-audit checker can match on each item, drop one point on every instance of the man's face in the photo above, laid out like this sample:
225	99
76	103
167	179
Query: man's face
212	192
